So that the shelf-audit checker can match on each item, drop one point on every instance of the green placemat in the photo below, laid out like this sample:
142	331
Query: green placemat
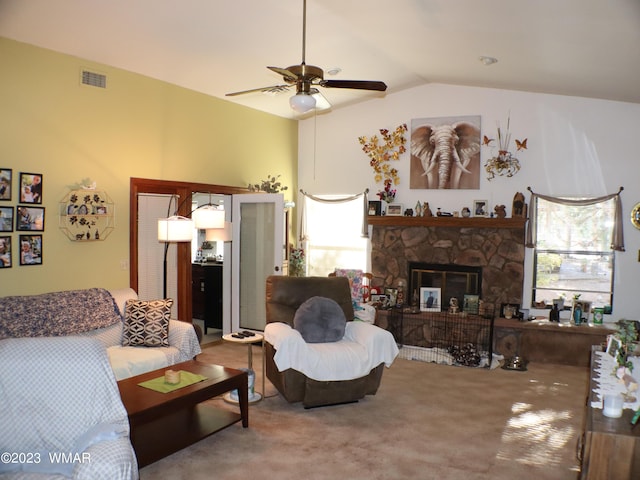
186	379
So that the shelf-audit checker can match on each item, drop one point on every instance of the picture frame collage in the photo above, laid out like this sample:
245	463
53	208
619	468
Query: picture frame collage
26	216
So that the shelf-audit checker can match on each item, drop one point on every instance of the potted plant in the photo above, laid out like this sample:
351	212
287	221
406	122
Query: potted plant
628	335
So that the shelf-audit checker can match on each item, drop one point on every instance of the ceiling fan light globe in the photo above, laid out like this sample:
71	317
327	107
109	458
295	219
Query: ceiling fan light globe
302	102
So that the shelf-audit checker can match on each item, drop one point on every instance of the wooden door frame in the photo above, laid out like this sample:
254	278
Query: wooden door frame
184	190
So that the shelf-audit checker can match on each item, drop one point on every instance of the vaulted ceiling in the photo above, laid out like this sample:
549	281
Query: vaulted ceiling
587	48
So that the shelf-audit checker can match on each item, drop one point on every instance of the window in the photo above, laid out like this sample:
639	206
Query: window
573	253
334	236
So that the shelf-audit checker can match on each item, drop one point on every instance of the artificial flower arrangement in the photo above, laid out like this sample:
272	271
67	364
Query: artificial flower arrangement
505	163
296	261
380	150
388	194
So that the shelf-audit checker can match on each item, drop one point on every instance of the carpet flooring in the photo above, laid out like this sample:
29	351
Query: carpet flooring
427	421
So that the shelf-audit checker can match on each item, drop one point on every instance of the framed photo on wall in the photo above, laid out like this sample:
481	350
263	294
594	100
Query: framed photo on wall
430	300
6	219
5	252
30	187
6	175
30	249
30	219
480	208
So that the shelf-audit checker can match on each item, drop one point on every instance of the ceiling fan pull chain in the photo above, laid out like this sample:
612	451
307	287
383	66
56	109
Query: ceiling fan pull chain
304	29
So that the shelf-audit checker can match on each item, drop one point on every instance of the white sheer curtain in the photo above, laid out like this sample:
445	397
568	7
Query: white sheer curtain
334	233
617	237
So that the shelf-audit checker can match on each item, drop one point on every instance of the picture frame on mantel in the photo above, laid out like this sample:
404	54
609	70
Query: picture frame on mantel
394	209
375	207
480	208
430	299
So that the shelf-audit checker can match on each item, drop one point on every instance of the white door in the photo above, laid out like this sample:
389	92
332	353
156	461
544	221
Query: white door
257	247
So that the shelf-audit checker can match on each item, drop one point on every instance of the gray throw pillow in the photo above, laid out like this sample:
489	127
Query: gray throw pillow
320	320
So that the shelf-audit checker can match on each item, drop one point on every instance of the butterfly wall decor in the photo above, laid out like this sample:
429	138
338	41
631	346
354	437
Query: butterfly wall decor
504	163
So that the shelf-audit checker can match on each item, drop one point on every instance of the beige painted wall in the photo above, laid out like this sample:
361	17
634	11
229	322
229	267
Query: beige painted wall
136	127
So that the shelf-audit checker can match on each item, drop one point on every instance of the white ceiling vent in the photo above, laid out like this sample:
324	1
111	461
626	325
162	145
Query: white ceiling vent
93	79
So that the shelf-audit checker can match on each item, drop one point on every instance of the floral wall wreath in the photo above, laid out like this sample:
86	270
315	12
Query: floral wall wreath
381	150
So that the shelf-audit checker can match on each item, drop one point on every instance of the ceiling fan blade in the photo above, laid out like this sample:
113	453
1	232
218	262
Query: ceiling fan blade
288	75
355	84
321	101
271	89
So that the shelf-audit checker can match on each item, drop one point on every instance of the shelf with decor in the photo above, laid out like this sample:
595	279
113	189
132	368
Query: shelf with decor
87	215
459	222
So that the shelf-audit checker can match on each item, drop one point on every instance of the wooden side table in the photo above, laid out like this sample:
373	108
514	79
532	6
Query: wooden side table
611	448
249	341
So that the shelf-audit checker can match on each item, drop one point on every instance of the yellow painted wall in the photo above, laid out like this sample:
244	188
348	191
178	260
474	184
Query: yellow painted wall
136	127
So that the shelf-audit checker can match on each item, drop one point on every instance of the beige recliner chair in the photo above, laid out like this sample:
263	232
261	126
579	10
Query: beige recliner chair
319	374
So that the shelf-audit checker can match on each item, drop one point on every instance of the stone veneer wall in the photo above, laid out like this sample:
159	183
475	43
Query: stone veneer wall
499	251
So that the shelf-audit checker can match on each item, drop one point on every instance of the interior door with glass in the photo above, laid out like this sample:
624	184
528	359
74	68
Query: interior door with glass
257	249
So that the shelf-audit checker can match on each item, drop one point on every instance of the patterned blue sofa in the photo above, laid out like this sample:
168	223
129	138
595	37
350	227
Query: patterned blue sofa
100	314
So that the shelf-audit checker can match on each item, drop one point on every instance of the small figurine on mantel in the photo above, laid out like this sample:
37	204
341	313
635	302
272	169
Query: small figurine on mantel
501	211
519	207
418	209
453	305
426	211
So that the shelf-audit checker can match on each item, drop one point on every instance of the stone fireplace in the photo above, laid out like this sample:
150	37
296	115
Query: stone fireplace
493	247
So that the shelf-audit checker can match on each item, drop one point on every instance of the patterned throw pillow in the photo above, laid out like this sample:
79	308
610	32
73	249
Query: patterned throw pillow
356	281
146	323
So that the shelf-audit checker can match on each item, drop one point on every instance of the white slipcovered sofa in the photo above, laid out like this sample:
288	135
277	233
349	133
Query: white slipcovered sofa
100	314
129	361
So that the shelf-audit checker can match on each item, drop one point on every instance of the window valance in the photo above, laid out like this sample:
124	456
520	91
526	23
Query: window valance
617	237
365	209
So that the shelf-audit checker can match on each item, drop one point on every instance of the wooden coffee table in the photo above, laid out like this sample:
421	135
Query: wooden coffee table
163	423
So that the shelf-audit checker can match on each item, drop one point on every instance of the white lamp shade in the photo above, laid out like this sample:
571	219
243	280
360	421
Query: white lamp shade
175	229
208	217
302	102
219	234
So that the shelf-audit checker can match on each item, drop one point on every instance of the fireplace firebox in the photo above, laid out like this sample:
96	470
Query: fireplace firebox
453	280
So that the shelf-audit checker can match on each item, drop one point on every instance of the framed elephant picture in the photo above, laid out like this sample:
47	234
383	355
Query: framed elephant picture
445	153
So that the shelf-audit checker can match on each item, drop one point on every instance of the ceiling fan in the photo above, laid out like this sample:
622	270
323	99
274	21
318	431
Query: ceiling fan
306	77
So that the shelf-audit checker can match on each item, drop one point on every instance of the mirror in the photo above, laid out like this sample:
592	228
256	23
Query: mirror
208	245
635	216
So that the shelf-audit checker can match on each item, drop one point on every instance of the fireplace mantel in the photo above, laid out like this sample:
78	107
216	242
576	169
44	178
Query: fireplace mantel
460	222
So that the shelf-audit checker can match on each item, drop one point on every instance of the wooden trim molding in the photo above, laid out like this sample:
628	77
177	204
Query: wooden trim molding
459	222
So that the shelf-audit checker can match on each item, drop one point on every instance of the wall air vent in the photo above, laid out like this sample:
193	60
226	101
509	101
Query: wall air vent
93	79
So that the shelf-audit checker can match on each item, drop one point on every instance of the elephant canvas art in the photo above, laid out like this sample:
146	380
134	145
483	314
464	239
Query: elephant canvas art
445	153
